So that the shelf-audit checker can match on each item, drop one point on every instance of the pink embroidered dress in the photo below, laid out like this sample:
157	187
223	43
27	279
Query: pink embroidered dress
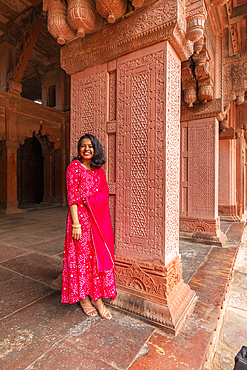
88	263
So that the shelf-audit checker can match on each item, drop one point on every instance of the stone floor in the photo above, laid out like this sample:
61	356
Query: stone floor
38	332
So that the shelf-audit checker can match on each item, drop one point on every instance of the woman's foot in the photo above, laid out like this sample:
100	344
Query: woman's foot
87	307
106	314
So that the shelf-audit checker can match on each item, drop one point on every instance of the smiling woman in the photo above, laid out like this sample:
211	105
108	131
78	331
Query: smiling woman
88	264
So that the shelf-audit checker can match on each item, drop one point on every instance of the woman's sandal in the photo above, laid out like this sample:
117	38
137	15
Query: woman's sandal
88	309
105	314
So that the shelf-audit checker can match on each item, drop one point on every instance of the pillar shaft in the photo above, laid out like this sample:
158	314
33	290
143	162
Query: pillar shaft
227	179
199	181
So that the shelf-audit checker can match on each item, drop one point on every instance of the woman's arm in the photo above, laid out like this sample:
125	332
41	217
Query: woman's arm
76	226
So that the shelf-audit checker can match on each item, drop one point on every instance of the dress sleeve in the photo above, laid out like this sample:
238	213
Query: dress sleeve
72	181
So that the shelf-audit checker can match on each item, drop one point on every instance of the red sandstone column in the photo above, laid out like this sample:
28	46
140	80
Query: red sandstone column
8	162
148	264
227	177
240	164
8	177
199	217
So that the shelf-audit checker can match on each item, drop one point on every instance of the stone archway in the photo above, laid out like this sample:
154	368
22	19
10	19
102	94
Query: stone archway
30	172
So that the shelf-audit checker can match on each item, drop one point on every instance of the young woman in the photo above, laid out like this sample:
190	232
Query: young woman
88	263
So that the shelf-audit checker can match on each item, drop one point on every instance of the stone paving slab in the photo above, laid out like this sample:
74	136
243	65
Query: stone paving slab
35	266
8	251
67	355
19	292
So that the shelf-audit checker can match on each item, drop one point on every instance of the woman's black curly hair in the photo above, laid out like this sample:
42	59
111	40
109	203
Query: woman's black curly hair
98	158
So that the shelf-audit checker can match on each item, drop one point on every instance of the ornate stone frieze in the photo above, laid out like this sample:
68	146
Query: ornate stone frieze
202	230
198	225
145	27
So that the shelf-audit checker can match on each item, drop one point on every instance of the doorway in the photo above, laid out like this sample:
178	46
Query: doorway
30	172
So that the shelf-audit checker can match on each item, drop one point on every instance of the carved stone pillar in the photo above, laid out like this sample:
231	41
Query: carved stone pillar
125	89
8	176
227	176
148	264
8	161
240	169
199	181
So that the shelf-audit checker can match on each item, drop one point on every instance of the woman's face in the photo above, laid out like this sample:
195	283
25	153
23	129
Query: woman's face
86	150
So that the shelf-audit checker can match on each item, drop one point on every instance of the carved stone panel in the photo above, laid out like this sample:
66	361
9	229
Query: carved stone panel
88	105
148	83
203	168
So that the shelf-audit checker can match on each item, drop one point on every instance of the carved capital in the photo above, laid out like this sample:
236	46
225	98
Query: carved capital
235	78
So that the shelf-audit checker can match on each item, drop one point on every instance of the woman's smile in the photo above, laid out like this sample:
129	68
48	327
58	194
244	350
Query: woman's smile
86	149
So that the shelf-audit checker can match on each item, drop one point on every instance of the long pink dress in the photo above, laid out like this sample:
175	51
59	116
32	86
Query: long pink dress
88	263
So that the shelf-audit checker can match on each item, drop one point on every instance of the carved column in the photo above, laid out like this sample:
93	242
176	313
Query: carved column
8	161
227	176
199	194
125	89
148	265
8	176
240	169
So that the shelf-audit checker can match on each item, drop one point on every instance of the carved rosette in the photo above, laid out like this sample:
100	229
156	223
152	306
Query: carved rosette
81	17
111	9
57	22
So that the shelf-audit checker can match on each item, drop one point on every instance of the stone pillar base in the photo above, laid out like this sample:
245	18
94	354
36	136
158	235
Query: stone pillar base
229	213
153	293
202	230
9	207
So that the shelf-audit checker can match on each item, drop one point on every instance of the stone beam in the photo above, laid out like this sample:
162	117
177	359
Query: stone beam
22	57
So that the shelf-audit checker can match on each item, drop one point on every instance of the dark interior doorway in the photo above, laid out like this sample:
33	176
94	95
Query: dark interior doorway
30	167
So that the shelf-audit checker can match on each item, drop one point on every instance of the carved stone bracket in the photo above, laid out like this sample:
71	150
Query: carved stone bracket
154	293
197	83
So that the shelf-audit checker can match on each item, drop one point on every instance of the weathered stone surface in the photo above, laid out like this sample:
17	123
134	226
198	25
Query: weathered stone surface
235	328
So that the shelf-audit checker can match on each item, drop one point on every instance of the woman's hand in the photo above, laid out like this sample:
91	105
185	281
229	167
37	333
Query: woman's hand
76	231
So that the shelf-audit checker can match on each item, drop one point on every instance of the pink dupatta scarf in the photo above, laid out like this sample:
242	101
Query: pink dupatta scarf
101	227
